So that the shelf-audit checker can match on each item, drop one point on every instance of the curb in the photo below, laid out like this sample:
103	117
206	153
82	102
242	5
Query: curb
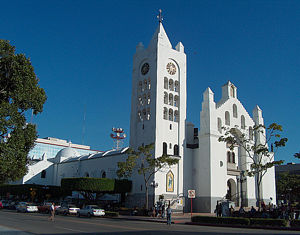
241	226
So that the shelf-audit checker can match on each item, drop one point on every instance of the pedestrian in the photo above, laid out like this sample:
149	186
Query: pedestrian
219	209
163	210
169	213
231	211
52	212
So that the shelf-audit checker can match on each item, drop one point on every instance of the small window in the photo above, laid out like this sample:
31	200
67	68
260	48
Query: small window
165	148
170	146
170	114
148	114
148	99
141	187
170	99
166	83
140	89
227	118
176	101
165	97
232	92
149	83
43	174
234	107
233	157
220	125
165	115
176	86
140	116
176	150
170	126
140	100
228	156
176	116
171	85
243	126
250	133
103	174
87	174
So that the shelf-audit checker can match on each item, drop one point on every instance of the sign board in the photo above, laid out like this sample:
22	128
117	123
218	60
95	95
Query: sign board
191	193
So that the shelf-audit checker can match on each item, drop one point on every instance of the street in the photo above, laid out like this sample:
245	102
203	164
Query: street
36	223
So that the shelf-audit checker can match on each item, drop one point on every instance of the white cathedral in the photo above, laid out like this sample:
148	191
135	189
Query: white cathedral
158	115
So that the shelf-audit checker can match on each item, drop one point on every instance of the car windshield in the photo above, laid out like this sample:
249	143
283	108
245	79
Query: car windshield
72	206
95	207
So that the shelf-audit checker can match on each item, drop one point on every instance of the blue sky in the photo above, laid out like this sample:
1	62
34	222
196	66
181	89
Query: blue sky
82	53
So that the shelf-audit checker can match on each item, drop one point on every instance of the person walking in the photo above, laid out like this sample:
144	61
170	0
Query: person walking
52	212
169	213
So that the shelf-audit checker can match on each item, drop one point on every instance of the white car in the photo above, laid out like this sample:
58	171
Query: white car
91	210
26	207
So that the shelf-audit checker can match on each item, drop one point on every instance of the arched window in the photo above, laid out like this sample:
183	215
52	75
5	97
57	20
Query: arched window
148	114
165	97
243	126
234	107
144	114
176	116
170	99
166	83
43	174
87	174
103	175
148	98
228	157
165	146
176	101
145	85
227	118
250	133
140	89
165	116
233	157
176	150
176	86
149	83
220	125
144	99
140	100
171	114
140	116
232	91
170	146
171	85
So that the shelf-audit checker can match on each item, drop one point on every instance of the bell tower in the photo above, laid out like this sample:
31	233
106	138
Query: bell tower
158	105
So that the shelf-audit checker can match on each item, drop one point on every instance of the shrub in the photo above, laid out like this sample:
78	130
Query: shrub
295	223
268	222
220	220
111	214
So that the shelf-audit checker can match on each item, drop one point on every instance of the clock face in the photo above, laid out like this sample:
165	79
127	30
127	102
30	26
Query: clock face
145	68
171	68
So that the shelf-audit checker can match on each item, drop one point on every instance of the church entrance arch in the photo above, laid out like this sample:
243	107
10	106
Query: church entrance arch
231	191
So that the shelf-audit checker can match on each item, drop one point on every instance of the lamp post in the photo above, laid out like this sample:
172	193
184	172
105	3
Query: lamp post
241	180
154	185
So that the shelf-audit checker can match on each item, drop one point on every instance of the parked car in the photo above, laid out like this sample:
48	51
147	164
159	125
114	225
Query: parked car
67	209
91	210
5	203
1	206
45	207
26	207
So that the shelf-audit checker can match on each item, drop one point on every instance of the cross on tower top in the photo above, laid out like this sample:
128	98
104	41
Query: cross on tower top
159	17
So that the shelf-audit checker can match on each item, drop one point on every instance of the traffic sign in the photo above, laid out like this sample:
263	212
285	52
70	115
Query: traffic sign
191	193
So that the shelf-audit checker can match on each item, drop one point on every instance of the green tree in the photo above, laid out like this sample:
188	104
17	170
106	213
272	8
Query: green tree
259	155
19	92
297	155
145	164
288	186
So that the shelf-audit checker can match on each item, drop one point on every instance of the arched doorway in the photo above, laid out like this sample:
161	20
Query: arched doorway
231	191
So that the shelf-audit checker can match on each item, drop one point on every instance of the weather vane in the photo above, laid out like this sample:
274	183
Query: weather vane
159	17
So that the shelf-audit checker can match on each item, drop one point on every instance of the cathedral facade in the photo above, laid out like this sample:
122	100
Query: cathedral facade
158	115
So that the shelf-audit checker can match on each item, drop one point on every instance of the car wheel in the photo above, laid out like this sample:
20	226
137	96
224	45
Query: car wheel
89	215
